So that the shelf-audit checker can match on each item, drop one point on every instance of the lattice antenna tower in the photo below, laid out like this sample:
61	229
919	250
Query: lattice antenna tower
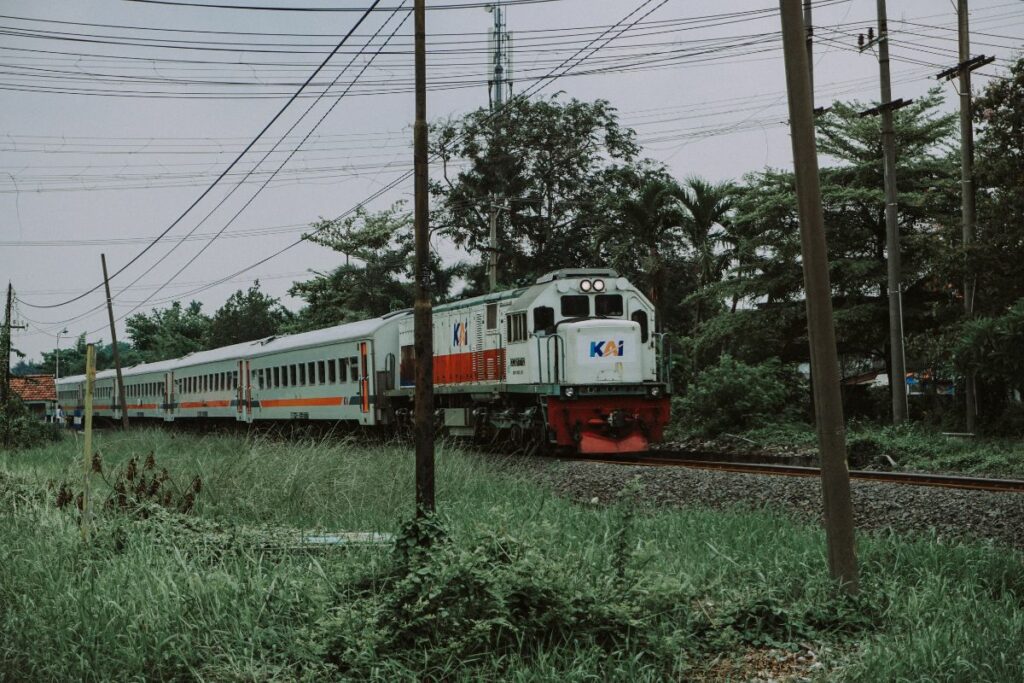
499	64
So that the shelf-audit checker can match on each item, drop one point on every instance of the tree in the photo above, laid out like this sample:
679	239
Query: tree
557	165
380	278
644	243
993	349
24	367
765	228
246	316
72	358
997	254
707	208
169	333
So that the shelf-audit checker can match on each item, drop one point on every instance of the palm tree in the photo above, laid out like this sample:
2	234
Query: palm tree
650	228
706	210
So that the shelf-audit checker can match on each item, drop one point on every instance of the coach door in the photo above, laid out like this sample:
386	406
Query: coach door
168	396
364	376
243	392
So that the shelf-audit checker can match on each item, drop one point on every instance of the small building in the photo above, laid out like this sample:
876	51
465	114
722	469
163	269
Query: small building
38	393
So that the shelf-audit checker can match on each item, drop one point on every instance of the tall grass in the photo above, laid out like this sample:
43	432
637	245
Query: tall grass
625	592
911	446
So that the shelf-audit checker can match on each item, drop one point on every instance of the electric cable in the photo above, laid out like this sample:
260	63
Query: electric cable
230	166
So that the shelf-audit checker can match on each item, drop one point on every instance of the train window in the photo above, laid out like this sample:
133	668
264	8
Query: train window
321	372
576	305
641	317
492	316
544	319
302	374
353	368
311	372
234	379
608	305
259	379
516	327
332	371
276	381
293	376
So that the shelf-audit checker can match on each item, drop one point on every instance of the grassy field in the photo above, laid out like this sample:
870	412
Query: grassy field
912	447
519	585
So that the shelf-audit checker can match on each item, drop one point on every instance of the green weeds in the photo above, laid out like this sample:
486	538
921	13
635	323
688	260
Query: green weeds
508	582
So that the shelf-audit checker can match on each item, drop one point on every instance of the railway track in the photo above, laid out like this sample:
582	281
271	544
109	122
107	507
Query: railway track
906	478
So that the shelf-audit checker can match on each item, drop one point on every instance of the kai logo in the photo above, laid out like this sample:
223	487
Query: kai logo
460	333
611	348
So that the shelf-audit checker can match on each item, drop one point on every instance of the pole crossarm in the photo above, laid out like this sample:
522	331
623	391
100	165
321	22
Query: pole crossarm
972	64
886	106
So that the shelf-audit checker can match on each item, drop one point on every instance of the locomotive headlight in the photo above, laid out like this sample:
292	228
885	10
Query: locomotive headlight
655	392
570	392
598	285
585	285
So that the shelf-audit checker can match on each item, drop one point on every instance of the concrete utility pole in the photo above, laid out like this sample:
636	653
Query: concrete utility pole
809	30
5	348
967	198
968	191
897	364
113	341
828	405
90	383
423	323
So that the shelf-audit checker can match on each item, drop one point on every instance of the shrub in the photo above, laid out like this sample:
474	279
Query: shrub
20	429
732	395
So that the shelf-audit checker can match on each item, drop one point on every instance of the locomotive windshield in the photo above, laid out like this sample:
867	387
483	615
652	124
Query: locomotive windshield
576	306
608	305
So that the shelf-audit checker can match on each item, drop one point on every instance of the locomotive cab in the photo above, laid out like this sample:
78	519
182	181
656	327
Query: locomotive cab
596	351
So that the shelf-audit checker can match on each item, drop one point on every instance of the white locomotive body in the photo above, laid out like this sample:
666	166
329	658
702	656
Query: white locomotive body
571	362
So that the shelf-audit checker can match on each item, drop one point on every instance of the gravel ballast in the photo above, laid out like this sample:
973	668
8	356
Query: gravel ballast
959	513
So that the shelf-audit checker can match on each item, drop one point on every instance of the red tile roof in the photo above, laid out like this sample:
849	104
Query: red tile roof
34	387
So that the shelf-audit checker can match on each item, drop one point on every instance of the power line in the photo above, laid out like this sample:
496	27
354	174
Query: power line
264	8
230	166
283	162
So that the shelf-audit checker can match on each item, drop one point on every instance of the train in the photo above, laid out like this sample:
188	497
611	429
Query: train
571	363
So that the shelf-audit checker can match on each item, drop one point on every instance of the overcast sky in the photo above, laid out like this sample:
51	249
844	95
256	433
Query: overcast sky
118	118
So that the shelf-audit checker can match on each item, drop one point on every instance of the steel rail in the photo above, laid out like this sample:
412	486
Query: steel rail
907	478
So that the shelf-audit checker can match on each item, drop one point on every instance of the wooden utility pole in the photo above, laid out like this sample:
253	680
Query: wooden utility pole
113	341
828	406
968	191
90	382
423	323
897	363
